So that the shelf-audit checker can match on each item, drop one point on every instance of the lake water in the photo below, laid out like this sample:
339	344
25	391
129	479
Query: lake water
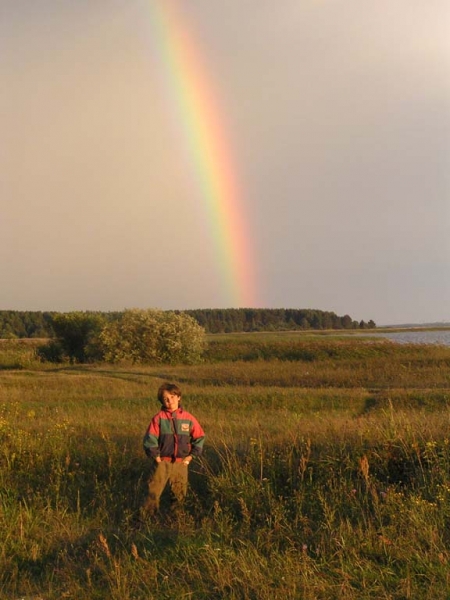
441	337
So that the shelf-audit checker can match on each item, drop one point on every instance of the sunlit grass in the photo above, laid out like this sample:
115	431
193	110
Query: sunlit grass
323	477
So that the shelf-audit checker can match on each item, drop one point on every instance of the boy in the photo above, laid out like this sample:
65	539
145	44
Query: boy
173	438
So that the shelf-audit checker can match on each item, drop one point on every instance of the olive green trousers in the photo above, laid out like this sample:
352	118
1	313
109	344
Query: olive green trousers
176	475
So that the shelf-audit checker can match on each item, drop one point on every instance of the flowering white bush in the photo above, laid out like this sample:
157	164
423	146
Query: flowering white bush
149	336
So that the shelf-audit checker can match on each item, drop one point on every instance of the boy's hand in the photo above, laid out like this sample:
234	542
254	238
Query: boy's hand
158	459
187	460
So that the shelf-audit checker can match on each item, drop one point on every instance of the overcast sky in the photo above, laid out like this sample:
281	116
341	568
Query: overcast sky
338	112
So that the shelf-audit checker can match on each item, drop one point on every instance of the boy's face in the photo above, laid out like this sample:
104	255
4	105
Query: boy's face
170	401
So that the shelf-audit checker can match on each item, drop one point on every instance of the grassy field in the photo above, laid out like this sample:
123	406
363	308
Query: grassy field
325	475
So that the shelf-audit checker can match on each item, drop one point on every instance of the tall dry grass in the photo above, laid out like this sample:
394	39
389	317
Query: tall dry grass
323	477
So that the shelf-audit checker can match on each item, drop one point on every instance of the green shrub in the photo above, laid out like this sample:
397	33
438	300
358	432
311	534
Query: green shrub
77	335
152	336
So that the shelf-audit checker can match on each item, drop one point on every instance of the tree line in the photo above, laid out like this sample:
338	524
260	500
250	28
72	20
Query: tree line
272	319
26	324
37	324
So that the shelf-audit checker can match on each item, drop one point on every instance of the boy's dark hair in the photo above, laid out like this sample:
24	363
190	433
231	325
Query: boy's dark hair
172	388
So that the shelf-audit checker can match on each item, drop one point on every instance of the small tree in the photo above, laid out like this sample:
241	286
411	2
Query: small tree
149	336
77	335
180	338
347	322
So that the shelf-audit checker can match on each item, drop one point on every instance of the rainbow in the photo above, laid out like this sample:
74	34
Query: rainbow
192	97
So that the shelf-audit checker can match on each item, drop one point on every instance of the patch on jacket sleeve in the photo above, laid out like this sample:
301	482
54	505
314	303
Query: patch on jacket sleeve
185	427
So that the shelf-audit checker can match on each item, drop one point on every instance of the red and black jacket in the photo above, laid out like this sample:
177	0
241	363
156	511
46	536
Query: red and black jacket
174	435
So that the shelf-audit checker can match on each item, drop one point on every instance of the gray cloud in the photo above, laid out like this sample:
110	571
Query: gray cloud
338	113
